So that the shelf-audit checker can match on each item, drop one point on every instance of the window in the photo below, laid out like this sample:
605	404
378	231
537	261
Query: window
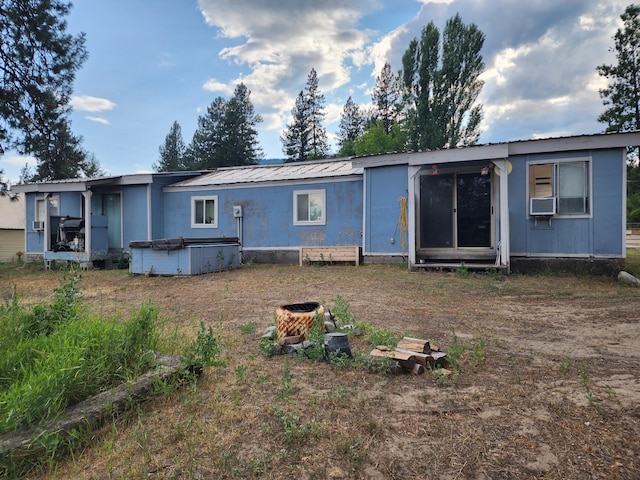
54	210
204	212
567	181
309	207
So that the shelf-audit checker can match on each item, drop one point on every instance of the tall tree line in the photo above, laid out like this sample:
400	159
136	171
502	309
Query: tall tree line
431	103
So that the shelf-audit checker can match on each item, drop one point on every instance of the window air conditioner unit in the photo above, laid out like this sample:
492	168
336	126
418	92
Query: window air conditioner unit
539	207
38	225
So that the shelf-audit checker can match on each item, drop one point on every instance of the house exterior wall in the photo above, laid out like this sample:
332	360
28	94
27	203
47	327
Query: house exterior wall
267	215
384	187
599	234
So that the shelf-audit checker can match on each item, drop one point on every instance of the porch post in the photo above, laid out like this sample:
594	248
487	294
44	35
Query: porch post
87	224
505	248
412	198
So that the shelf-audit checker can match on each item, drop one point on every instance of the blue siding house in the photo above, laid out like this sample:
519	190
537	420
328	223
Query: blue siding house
555	203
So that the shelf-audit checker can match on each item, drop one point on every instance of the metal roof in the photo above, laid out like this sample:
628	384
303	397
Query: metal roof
12	212
278	172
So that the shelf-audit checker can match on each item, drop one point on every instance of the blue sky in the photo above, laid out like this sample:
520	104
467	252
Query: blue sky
153	62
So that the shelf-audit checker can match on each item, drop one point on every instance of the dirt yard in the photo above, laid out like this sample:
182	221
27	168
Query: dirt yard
548	385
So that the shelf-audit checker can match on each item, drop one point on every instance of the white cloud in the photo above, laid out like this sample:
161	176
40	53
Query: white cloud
98	120
20	160
282	41
86	103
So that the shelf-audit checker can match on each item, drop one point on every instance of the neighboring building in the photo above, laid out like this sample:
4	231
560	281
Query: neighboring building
12	222
556	203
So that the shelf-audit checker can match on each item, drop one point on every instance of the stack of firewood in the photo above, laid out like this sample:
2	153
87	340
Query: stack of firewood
413	355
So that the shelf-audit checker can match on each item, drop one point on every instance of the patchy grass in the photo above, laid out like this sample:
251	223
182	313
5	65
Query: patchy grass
535	356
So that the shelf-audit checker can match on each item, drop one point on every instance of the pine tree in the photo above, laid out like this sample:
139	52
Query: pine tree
172	151
622	95
316	101
38	61
295	138
305	138
240	137
387	97
205	145
443	84
226	135
350	128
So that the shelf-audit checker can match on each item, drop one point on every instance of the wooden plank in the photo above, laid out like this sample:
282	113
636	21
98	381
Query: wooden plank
330	254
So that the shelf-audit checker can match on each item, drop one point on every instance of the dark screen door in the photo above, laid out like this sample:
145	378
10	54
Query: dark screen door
455	210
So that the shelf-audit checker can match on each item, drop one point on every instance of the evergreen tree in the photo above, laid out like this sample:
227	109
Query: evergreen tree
622	95
38	61
59	153
387	97
305	138
240	137
227	135
316	101
443	84
295	138
350	128
172	151
205	145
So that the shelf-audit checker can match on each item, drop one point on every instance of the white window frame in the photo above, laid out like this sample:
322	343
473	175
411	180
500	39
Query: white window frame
555	186
323	201
41	207
205	199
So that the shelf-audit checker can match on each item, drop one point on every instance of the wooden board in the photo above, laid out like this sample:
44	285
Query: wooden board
330	254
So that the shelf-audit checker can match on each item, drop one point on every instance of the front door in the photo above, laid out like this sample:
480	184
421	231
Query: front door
455	211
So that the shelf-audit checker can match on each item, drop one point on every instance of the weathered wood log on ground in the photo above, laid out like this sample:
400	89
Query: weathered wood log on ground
406	360
415	344
424	359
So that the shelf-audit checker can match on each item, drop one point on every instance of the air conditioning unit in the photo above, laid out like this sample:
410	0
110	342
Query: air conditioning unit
38	225
539	207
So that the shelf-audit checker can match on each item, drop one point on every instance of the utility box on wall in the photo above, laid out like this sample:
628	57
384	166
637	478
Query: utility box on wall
237	211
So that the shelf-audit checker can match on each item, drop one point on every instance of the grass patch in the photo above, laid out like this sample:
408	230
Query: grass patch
57	355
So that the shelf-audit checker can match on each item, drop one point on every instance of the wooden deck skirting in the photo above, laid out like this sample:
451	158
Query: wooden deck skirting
330	254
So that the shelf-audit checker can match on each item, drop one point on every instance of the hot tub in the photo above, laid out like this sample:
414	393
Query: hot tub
184	256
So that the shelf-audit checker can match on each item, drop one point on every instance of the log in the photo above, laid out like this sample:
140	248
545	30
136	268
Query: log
418	369
415	344
440	358
406	360
424	359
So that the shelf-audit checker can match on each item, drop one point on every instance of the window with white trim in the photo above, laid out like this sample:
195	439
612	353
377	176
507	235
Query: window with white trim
566	180
54	209
204	212
309	207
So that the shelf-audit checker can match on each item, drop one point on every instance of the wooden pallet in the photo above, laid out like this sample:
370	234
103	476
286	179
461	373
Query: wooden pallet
330	254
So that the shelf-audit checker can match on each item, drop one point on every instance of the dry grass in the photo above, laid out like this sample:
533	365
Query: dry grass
547	384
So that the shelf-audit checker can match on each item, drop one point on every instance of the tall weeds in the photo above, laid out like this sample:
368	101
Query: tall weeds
59	354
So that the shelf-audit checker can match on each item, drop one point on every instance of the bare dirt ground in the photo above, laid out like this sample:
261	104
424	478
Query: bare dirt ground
549	385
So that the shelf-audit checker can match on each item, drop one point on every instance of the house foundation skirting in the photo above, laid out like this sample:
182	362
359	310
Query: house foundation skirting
575	265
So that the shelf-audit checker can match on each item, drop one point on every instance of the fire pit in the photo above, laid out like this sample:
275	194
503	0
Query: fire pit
297	318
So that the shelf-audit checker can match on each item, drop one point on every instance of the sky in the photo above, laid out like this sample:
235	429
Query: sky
153	62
